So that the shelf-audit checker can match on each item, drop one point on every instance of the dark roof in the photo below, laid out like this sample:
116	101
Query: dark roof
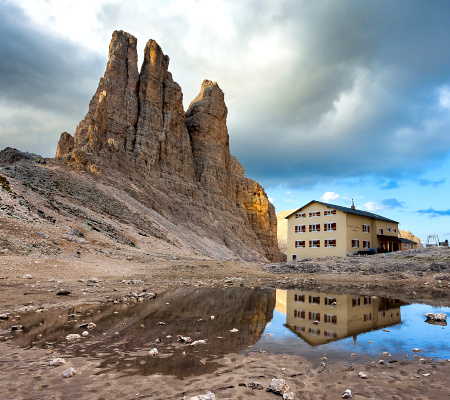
347	210
403	240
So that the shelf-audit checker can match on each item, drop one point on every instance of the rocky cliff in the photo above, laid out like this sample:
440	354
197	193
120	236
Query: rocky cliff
177	163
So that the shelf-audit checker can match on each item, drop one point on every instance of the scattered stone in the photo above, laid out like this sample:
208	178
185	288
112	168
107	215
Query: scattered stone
436	316
197	342
212	317
17	328
362	375
89	325
56	362
73	336
153	352
92	280
28	276
184	339
5	316
415	350
254	385
426	374
347	394
85	333
207	396
63	292
278	386
161	323
234	330
381	362
68	373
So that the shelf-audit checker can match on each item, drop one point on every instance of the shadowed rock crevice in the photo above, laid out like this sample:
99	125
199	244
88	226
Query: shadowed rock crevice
178	163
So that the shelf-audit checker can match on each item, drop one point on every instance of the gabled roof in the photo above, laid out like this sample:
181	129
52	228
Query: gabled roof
346	210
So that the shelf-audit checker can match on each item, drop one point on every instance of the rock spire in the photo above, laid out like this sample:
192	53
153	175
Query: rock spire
136	127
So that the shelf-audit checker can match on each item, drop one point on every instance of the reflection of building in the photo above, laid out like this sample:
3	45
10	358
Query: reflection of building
320	229
319	318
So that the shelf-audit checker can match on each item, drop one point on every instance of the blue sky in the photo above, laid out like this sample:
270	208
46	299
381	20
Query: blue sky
341	99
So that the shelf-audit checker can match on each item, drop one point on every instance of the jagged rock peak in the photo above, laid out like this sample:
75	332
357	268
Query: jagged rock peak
206	121
180	163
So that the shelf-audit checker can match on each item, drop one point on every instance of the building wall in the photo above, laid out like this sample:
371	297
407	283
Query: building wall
339	234
355	231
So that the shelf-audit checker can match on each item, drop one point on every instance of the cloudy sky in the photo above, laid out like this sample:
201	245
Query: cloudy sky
328	100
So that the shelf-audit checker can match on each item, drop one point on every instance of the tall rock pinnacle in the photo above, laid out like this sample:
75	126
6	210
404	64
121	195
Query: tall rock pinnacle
181	162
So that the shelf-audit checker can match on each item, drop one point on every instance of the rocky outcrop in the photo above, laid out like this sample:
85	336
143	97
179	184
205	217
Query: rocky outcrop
408	235
136	129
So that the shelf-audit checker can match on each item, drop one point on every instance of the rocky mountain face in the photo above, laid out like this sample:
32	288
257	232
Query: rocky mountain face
408	235
177	163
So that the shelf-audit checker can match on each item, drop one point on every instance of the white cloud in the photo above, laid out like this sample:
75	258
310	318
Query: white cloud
373	207
444	98
329	196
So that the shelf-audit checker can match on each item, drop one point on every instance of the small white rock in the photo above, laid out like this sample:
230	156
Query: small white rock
153	352
68	373
57	361
73	336
347	394
416	350
362	375
85	333
197	342
234	330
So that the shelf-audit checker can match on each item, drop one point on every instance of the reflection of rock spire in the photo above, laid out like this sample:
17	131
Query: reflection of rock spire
354	340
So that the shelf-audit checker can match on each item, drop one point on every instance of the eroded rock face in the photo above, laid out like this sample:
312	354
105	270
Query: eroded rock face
181	162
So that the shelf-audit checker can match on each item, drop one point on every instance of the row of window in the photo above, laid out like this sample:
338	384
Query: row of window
330	301
300	298
300	244
314	243
380	230
315	213
327	318
355	244
315	316
315	331
329	226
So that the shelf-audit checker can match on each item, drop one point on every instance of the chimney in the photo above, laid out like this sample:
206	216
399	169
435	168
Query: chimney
353	205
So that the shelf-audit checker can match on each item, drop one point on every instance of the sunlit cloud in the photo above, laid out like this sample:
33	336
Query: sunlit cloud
329	196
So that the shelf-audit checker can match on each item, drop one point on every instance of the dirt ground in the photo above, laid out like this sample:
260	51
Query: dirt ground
32	283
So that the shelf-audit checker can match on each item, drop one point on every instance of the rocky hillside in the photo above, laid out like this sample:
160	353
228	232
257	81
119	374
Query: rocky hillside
138	163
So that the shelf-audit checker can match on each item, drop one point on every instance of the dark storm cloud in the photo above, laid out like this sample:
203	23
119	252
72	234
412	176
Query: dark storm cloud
41	70
46	83
362	97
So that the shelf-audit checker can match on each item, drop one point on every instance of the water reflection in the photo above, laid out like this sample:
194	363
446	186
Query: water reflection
310	324
319	318
124	334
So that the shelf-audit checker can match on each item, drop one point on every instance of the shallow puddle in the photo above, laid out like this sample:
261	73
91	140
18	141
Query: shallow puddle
232	320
